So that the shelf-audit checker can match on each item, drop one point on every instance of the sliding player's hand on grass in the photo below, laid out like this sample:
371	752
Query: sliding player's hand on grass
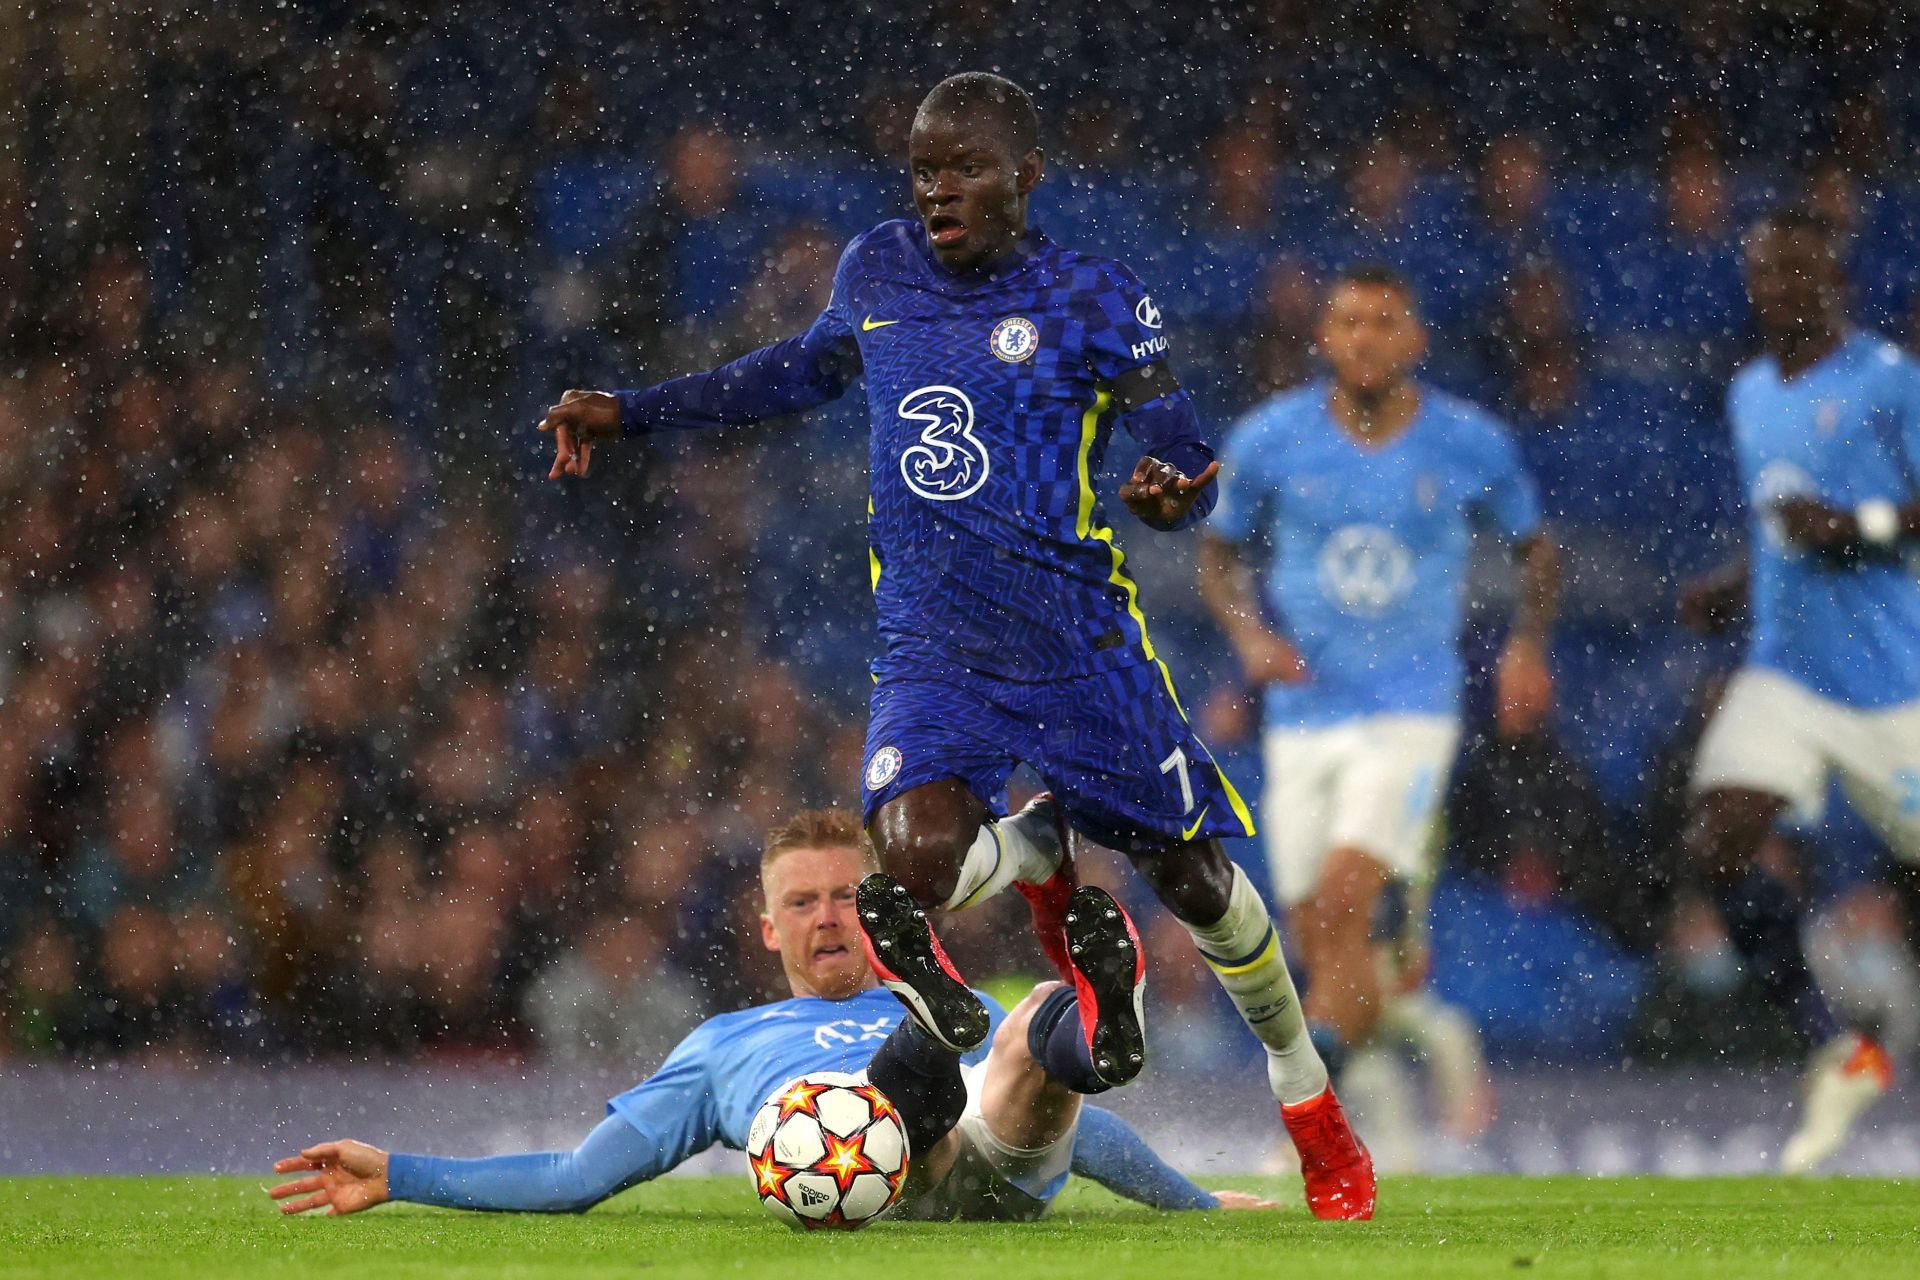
1243	1200
580	419
346	1178
1160	495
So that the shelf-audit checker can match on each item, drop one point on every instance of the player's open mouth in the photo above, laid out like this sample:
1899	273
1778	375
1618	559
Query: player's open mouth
836	950
945	229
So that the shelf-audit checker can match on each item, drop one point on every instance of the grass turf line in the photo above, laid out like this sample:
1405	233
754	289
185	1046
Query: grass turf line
204	1227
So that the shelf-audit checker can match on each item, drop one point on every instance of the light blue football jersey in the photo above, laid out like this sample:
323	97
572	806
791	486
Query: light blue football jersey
1369	546
1844	432
711	1084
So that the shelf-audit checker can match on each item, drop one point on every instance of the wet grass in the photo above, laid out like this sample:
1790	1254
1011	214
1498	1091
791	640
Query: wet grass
1441	1227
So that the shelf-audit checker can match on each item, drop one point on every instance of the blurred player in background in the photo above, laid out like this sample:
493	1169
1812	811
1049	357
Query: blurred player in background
993	1142
1826	424
1360	495
996	364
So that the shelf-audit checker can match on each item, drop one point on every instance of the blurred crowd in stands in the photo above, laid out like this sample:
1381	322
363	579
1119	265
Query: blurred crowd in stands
327	725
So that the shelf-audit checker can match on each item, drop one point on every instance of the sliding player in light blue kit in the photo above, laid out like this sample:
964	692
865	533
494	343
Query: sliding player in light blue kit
994	1140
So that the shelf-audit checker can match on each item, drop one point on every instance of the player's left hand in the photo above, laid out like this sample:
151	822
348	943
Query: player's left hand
1159	495
1523	687
577	422
1818	527
347	1177
1243	1200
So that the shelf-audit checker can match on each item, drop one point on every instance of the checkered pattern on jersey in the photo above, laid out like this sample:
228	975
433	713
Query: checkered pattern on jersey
1112	745
975	459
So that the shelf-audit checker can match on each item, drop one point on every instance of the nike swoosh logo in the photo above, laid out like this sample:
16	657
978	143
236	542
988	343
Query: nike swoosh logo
1188	833
869	324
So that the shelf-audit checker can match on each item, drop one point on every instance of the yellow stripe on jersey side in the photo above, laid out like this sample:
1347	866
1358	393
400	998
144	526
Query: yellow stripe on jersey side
1240	809
873	557
1085	528
1087	531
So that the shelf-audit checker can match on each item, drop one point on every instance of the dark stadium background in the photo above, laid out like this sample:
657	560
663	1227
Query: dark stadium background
329	728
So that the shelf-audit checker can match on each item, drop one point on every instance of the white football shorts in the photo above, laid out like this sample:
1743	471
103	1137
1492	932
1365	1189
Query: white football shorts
1774	734
1375	783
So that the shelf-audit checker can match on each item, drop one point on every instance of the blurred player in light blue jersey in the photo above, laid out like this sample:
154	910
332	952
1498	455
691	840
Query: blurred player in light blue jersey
997	364
1826	427
1358	497
993	1139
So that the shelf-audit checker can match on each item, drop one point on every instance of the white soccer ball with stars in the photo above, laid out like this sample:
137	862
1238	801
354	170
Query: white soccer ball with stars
827	1150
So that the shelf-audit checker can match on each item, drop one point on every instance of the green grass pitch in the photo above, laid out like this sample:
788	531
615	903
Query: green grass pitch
1590	1228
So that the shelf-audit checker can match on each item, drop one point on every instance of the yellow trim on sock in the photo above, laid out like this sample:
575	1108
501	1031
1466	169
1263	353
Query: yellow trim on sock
1268	954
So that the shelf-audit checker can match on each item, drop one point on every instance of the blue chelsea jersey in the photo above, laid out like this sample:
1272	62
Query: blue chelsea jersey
990	419
1369	545
1844	432
711	1084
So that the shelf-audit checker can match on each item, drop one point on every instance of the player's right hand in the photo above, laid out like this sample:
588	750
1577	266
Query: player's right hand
346	1177
580	419
1269	659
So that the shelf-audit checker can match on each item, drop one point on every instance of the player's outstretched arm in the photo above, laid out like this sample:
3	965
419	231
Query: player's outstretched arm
346	1177
787	377
1227	588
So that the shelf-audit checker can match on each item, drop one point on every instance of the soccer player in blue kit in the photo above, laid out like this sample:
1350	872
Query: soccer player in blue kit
1826	430
1362	491
996	363
993	1139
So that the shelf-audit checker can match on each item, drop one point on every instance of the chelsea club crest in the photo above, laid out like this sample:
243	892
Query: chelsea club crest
1014	339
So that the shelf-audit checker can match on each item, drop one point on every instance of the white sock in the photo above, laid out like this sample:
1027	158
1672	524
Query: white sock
1020	847
1243	950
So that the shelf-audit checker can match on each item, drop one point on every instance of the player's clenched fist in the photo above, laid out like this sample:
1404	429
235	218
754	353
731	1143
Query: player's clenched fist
580	419
346	1178
1160	495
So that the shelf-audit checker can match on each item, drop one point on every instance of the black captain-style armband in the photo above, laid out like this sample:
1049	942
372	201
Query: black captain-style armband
1142	386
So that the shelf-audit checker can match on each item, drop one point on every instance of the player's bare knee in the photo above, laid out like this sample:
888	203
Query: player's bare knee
1348	890
923	837
1010	1037
927	862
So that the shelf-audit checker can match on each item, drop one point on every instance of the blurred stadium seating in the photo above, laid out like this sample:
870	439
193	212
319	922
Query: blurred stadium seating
330	726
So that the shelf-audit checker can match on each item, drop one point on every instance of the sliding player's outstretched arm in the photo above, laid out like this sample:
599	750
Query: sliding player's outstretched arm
655	1126
788	377
347	1177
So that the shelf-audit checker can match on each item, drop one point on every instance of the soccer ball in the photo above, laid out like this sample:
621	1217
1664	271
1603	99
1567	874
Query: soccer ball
827	1150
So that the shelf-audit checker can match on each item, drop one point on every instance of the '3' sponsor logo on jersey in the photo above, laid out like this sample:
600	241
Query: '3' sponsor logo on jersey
949	462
